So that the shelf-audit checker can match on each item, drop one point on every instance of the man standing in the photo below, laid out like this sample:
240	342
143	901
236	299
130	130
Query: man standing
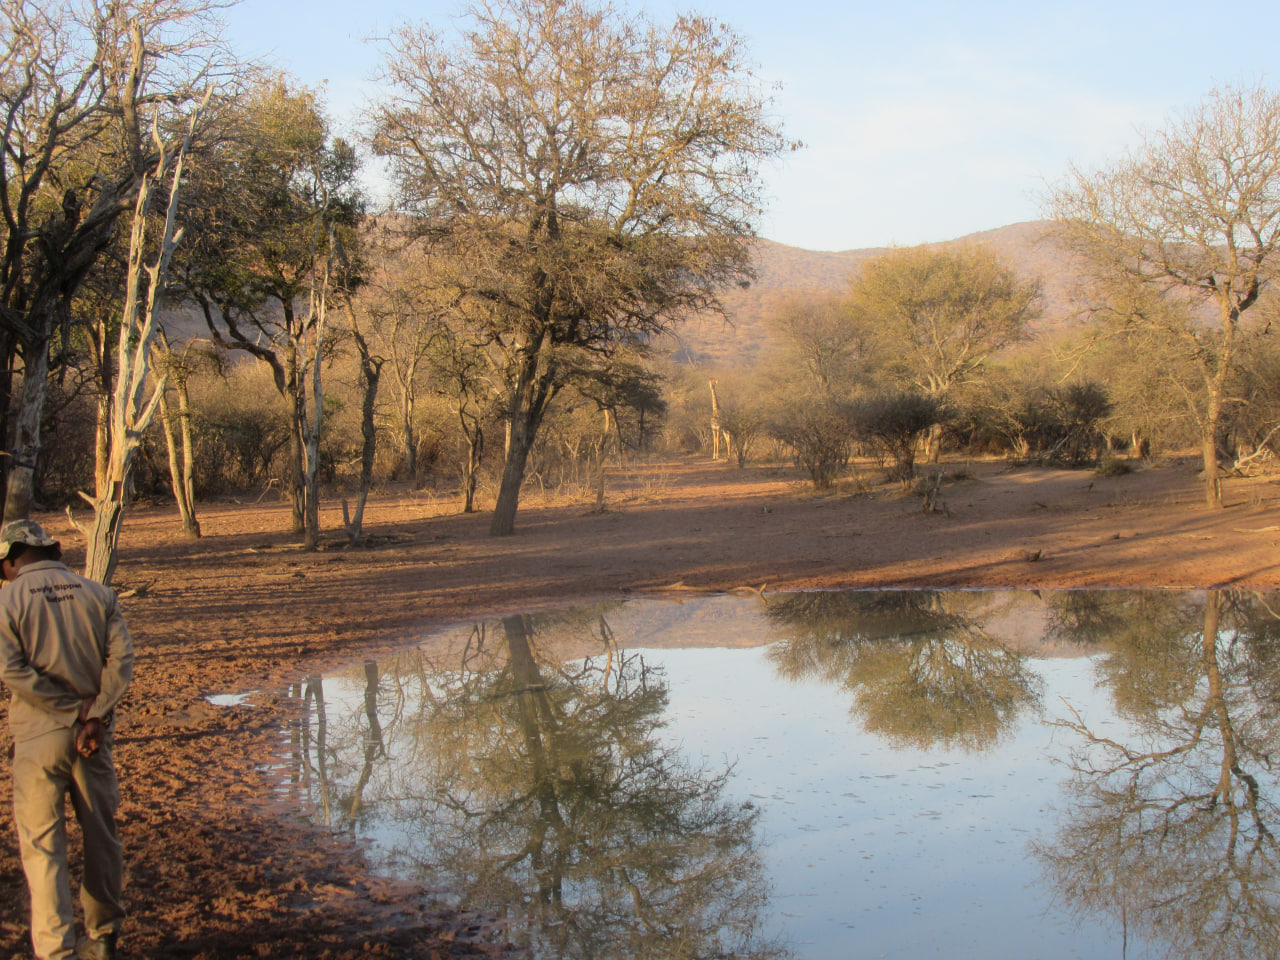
66	658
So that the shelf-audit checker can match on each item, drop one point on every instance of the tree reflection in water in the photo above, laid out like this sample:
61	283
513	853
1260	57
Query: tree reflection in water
921	670
538	789
1170	827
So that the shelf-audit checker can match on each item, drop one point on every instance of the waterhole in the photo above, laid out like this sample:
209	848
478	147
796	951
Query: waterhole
966	774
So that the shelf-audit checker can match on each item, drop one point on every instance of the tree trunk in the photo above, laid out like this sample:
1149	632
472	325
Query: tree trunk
101	440
104	535
1209	452
311	480
933	444
370	374
475	450
410	441
7	356
1212	482
532	395
604	458
190	524
20	488
181	459
520	442
297	426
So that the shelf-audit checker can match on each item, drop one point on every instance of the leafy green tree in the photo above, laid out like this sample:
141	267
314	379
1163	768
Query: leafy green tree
596	171
1084	406
892	424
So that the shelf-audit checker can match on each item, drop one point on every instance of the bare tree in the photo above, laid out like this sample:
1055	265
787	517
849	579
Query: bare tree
78	84
462	375
404	307
598	170
177	367
821	336
1192	215
131	414
940	314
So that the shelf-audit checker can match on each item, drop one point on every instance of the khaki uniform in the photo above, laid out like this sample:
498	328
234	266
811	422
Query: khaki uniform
62	639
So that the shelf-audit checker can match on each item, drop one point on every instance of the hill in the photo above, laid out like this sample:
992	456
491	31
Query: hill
783	271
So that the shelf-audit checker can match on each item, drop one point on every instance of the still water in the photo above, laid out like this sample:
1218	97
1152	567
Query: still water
965	774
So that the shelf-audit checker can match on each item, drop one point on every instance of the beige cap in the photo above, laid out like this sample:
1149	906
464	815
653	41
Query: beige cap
23	531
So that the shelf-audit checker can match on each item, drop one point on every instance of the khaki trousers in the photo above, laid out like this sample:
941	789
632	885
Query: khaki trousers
46	770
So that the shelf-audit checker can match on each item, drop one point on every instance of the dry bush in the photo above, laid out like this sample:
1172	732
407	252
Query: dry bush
819	433
241	430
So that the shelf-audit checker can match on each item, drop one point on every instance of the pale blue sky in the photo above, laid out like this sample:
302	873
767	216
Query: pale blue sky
922	121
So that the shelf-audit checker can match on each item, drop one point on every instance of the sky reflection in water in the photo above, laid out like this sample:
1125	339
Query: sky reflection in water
869	774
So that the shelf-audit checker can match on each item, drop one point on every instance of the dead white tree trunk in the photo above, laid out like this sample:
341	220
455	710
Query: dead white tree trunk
132	412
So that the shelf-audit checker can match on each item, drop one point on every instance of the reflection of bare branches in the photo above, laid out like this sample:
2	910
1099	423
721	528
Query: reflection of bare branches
474	646
374	748
610	645
1173	832
539	786
1261	600
315	694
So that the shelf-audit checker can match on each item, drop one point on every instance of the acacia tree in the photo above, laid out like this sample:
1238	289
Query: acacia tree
281	182
822	342
940	314
598	171
1192	215
943	311
78	84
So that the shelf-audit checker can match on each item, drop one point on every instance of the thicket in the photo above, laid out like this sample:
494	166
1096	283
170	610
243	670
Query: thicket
1126	403
828	393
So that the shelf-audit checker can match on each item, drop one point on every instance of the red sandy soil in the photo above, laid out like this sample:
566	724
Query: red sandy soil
219	867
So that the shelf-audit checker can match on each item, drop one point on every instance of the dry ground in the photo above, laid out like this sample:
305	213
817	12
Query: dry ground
216	868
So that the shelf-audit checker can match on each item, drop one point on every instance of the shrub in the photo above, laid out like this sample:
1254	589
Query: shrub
1113	467
1082	408
819	432
891	425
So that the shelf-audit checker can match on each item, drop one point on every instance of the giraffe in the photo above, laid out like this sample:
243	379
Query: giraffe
717	428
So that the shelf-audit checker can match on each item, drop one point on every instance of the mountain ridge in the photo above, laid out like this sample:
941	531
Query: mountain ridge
742	336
